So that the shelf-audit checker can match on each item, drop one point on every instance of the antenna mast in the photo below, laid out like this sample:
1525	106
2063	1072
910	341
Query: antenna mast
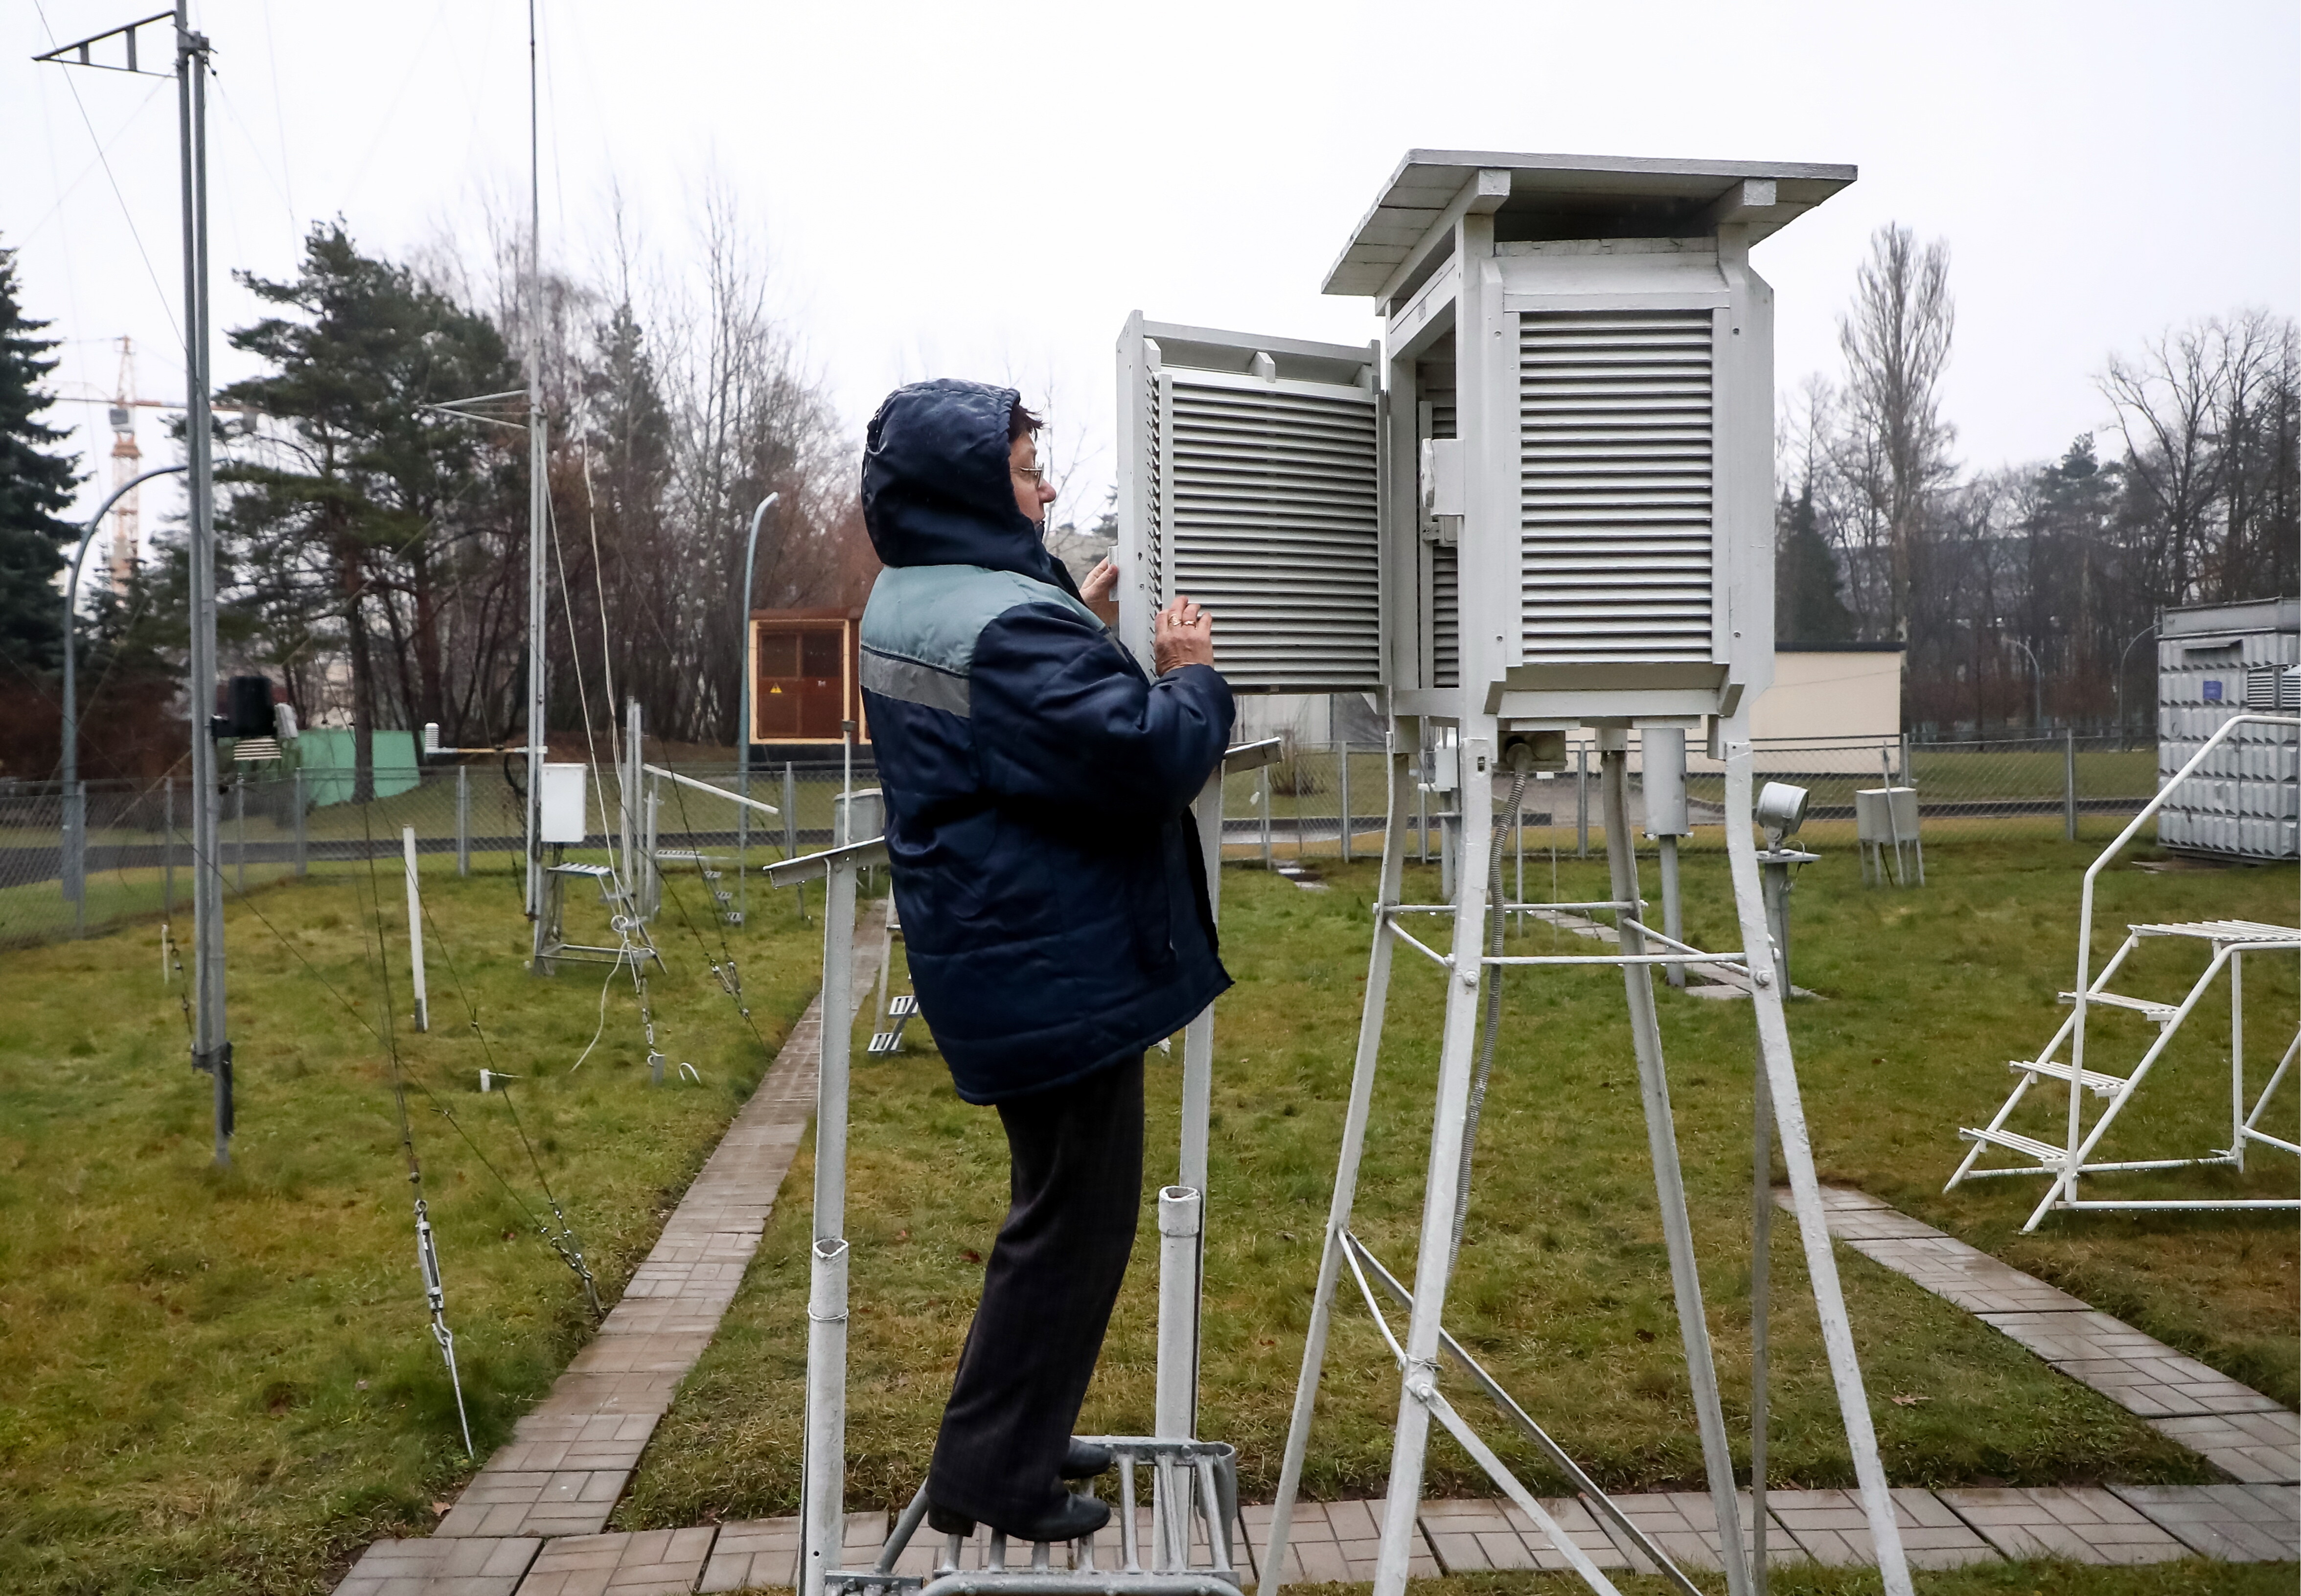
537	507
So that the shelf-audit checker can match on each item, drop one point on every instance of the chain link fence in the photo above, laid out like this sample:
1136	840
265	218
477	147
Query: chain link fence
120	850
109	852
2064	786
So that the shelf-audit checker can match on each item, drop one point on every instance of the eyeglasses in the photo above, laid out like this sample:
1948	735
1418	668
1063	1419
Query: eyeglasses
1035	474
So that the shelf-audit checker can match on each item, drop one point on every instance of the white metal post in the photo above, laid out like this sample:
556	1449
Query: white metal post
1433	1261
1662	1147
538	511
1403	776
1176	1404
823	1484
414	932
1797	1157
1344	783
2237	1058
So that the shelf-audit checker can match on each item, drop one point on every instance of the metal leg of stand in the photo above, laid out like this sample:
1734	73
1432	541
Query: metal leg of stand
1805	1189
824	1472
1669	1183
1434	1260
1273	1564
1761	1235
1176	1404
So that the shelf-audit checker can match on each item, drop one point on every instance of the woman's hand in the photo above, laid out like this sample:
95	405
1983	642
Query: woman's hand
1184	636
1100	592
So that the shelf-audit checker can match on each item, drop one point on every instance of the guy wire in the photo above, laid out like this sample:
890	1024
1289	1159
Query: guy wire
427	1254
566	1243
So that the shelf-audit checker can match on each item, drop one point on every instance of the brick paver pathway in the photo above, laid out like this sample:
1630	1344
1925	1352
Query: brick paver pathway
2250	1437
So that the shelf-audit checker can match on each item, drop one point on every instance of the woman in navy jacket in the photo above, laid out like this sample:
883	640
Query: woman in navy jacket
1053	901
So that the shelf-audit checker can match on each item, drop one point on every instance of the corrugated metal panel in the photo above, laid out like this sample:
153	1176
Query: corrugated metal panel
1271	523
1615	496
2245	798
1445	558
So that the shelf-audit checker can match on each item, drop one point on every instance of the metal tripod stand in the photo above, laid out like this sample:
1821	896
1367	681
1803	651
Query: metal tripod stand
1445	1190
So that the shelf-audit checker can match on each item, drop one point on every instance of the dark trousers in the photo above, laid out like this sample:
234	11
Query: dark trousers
1075	1185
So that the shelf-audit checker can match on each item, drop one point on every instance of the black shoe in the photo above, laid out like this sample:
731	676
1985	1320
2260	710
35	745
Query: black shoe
942	1521
1084	1460
1073	1518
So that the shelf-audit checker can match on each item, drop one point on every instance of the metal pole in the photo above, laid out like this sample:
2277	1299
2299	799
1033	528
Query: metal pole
745	667
464	820
791	831
823	1469
1581	800
1434	1262
1402	770
75	870
1262	782
211	1049
167	857
1344	775
2069	783
1797	1158
1176	1390
538	507
421	1000
76	854
1673	922
1761	1235
303	838
1669	1181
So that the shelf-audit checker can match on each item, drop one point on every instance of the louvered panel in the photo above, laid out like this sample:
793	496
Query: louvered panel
1445	558
1270	521
1616	480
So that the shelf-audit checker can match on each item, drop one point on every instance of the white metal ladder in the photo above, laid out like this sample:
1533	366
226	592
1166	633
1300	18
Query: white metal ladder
2066	1161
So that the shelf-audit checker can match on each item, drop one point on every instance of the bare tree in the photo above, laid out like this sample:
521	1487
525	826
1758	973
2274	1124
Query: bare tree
1896	342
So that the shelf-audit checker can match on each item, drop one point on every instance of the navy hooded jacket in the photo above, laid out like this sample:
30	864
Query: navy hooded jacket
1037	781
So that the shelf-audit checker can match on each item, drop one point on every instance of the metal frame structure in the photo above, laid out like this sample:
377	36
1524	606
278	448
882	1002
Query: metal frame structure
1191	1482
1573	462
2229	941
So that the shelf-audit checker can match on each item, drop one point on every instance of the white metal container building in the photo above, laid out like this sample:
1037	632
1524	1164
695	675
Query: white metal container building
2215	661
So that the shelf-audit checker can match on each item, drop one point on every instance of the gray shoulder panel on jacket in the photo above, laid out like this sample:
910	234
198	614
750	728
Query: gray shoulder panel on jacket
920	628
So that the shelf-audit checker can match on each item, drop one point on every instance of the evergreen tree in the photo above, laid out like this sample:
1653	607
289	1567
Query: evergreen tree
35	483
343	535
1807	608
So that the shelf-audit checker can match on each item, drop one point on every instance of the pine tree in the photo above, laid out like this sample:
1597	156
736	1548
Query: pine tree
1807	608
35	483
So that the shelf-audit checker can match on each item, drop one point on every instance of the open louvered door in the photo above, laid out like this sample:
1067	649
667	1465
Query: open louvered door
1249	481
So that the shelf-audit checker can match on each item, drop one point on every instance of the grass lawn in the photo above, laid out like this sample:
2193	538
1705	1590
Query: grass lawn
224	1382
1563	1286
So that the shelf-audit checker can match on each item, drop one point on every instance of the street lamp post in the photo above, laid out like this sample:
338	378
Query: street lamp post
2118	685
2037	686
743	710
75	869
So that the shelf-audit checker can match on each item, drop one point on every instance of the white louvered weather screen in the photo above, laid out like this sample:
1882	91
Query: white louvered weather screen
1265	511
1615	502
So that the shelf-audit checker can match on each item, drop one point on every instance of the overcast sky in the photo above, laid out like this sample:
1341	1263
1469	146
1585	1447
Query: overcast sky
989	191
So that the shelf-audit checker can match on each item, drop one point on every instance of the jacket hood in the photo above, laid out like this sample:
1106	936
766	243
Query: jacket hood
936	489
